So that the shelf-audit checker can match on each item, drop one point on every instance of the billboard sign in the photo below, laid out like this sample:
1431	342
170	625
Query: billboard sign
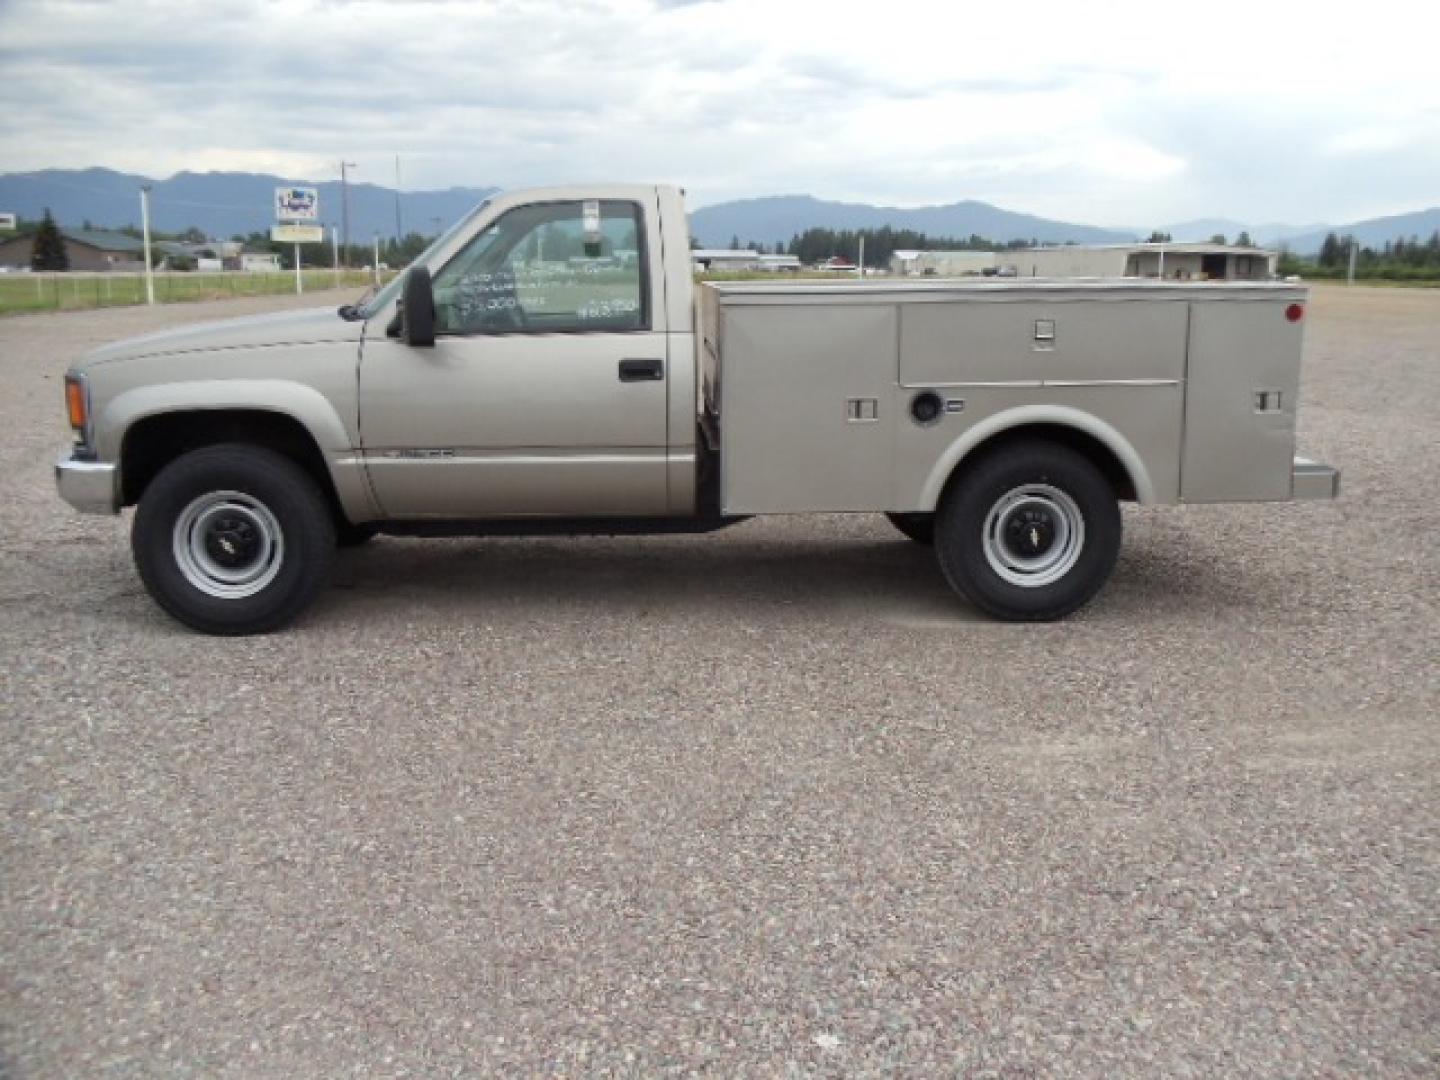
297	204
7	221
297	234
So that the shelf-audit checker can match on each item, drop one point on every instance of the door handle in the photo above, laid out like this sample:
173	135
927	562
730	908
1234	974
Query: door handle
647	370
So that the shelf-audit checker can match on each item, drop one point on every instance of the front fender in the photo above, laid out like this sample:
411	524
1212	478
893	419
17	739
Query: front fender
1060	415
295	400
304	404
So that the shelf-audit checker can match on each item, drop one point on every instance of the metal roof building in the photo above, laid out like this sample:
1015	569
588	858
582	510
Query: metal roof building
1182	262
89	249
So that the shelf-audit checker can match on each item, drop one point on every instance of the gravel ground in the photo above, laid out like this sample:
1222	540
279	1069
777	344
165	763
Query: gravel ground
764	802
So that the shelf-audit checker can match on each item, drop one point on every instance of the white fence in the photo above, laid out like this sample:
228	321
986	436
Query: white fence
39	292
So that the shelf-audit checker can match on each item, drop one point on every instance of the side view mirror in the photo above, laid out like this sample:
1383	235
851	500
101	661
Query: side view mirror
417	308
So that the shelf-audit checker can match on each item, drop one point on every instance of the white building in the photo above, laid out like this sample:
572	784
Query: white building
719	259
1174	262
780	264
725	258
942	263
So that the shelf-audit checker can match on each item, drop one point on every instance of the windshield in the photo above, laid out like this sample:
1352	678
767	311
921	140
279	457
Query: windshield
366	307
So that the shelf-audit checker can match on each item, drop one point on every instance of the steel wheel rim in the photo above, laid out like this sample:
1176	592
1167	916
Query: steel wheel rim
228	544
1055	528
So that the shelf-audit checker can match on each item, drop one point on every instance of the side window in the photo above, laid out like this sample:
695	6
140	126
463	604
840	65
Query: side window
535	268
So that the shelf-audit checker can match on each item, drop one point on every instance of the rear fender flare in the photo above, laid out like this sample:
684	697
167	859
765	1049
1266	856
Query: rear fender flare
1024	415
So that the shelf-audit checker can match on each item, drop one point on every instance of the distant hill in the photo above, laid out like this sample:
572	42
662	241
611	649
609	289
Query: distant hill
221	204
780	217
1306	239
1267	235
1204	228
1373	232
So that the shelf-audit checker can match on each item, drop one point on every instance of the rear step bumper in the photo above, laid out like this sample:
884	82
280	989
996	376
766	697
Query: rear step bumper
1312	480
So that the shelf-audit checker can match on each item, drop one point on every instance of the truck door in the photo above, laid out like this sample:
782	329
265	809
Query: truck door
545	392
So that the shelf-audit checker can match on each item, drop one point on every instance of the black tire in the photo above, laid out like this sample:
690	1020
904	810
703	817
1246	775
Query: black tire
918	527
351	536
1031	526
244	493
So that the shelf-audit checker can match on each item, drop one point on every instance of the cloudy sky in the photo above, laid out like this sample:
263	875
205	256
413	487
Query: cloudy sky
1108	113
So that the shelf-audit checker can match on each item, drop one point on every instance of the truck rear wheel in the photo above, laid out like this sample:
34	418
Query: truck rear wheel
1029	533
233	539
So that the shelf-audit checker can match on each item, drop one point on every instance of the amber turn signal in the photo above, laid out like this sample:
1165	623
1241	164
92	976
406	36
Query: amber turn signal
75	403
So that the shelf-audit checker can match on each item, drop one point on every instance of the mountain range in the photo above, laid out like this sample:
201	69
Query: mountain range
779	217
223	204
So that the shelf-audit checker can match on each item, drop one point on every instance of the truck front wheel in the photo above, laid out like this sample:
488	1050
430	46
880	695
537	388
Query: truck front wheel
917	527
233	539
1028	533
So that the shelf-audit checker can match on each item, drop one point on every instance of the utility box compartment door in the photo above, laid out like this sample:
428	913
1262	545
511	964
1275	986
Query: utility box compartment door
807	407
1036	339
1241	388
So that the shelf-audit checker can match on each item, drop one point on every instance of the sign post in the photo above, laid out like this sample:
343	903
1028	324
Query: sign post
296	211
145	223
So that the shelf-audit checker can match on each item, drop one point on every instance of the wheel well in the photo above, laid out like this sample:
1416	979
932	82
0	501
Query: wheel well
152	443
1100	455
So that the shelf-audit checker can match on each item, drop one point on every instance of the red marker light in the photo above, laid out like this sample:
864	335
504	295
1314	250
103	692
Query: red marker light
1295	312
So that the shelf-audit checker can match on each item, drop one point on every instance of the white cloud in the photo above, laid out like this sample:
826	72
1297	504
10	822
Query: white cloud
1127	113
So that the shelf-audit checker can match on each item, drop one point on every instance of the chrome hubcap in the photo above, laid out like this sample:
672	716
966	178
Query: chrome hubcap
1033	535
228	544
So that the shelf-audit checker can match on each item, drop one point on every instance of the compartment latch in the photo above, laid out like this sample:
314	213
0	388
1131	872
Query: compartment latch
1267	401
862	410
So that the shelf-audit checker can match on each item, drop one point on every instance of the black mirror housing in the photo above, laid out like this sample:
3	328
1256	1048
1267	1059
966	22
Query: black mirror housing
417	308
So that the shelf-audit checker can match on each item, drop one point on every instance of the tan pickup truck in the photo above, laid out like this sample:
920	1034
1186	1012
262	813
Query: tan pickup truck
549	366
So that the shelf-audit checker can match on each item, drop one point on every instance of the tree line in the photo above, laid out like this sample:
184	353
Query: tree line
1401	259
48	252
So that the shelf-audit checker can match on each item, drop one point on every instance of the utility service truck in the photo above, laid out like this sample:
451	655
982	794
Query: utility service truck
549	365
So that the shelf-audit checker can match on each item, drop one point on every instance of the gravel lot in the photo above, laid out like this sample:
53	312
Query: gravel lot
764	802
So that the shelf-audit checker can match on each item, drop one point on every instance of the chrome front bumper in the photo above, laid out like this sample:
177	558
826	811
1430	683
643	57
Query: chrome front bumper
1312	480
89	486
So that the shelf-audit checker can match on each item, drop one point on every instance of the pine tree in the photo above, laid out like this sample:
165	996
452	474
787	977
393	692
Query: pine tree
48	252
1330	250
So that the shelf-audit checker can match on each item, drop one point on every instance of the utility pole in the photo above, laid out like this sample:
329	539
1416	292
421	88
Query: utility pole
335	252
860	270
398	232
345	202
1354	247
145	230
